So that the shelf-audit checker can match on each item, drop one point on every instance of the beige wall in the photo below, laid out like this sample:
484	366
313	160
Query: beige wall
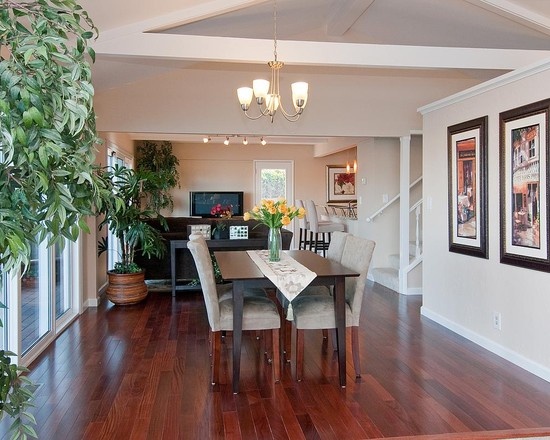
463	292
206	167
374	103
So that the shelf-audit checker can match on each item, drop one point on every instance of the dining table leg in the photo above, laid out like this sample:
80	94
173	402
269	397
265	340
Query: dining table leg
238	295
340	312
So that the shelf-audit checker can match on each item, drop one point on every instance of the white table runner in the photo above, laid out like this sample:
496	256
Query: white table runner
288	275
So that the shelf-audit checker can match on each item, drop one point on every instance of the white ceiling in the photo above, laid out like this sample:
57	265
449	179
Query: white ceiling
477	38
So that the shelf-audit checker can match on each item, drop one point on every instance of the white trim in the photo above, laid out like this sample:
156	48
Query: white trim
505	353
487	86
414	291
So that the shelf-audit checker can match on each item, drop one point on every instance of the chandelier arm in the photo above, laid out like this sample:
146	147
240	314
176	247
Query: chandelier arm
263	112
288	116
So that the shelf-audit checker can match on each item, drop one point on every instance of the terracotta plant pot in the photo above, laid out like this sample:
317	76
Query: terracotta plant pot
126	288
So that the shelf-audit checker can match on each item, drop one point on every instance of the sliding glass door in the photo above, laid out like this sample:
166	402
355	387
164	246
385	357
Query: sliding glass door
47	298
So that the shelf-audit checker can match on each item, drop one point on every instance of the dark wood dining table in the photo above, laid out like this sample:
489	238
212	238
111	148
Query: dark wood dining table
238	267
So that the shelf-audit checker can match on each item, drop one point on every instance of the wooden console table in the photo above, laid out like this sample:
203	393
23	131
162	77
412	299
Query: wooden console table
220	245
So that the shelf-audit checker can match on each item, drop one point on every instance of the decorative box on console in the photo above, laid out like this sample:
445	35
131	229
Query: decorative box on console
200	229
238	232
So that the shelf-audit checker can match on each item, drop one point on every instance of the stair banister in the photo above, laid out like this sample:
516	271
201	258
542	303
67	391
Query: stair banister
384	207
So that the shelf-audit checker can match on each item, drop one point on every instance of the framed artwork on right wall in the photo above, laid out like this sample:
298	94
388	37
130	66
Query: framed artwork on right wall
467	163
524	195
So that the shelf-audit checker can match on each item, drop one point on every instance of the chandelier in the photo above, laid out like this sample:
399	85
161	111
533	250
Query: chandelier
267	93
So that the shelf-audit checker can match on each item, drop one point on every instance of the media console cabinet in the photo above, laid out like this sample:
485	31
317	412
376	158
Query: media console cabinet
178	266
219	245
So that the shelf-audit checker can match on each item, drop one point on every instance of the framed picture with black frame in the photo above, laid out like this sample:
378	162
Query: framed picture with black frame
467	180
340	184
524	202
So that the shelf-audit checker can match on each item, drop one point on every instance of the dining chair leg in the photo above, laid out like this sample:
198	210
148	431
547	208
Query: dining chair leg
334	339
355	350
216	352
268	348
299	354
210	342
276	358
287	340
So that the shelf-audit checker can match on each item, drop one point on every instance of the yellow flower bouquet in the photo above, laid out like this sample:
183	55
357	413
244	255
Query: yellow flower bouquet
274	214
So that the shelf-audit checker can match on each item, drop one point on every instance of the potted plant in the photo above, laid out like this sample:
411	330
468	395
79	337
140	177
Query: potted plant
126	217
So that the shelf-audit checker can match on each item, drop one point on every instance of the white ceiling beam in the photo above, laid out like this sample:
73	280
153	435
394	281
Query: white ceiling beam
201	11
308	53
345	14
516	13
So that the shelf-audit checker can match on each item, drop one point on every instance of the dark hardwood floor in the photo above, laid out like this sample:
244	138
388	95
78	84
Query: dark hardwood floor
142	372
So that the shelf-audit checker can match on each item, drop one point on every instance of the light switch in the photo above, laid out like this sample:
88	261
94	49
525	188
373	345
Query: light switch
363	180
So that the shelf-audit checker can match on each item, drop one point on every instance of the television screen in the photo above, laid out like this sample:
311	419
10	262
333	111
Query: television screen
201	202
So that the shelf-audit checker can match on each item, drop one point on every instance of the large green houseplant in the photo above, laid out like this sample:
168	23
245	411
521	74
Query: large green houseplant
47	137
127	219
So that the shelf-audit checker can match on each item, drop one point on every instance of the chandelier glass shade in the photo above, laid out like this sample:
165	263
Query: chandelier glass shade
266	93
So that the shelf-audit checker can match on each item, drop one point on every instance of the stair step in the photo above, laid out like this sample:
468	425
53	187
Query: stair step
387	277
412	248
393	260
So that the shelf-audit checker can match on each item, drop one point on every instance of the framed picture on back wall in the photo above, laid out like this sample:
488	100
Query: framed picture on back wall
340	184
524	198
467	163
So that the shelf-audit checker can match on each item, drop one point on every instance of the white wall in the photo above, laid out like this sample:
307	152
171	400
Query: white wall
462	292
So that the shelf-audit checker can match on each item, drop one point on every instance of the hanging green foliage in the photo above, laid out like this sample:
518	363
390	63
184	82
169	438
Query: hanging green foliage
47	126
157	159
47	135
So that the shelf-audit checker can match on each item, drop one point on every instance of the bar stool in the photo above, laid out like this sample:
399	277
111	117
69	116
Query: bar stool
320	230
303	224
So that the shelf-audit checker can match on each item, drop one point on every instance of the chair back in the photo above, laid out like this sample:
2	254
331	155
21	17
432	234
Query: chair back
312	218
357	256
199	250
336	246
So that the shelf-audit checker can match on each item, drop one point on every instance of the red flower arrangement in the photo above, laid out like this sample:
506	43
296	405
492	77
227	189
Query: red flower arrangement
222	211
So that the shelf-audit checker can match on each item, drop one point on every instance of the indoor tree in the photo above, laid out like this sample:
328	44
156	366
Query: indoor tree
47	136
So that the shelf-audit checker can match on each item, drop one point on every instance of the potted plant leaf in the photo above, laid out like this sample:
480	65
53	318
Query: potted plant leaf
47	137
126	217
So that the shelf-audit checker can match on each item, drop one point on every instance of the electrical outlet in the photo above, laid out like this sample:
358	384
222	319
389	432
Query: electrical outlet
497	320
385	198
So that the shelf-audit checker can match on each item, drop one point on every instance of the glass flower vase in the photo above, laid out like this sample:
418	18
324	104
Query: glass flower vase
274	244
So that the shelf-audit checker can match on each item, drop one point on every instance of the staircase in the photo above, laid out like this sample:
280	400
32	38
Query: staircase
403	275
388	276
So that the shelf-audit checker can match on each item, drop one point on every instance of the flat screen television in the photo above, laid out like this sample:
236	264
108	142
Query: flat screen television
201	202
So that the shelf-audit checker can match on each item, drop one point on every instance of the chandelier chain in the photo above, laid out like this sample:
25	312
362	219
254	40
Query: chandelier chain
275	29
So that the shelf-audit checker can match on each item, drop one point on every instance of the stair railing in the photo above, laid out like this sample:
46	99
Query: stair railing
417	208
384	207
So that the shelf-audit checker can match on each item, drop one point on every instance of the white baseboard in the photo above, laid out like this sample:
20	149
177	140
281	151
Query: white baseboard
505	353
94	302
414	291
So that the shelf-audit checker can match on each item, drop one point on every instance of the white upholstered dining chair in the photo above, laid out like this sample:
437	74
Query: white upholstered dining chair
259	312
334	253
317	311
320	231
